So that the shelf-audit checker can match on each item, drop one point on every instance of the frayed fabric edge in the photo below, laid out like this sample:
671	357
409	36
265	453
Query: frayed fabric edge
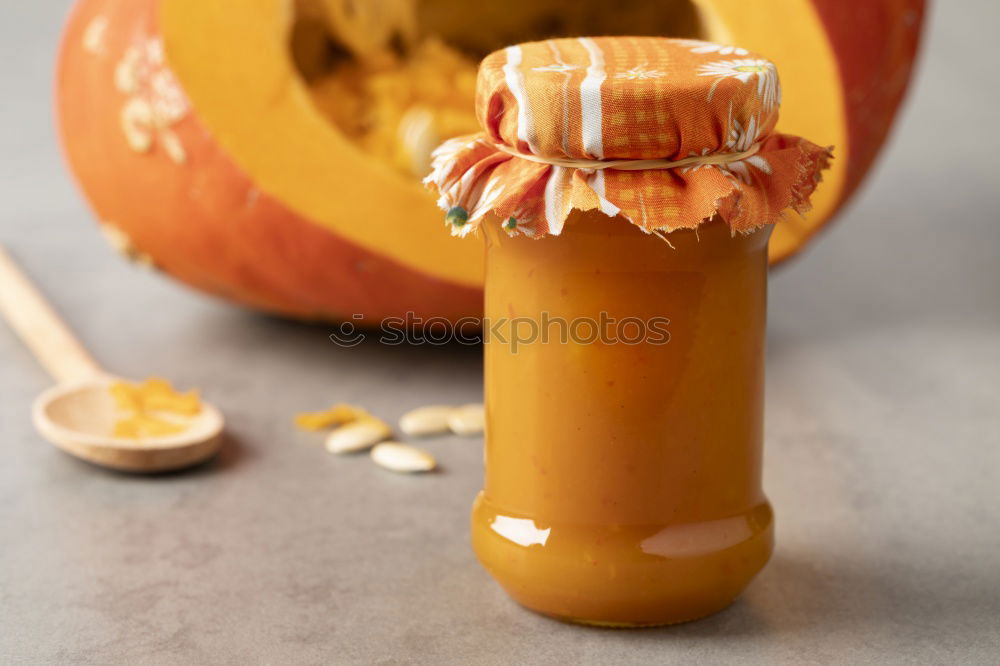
474	182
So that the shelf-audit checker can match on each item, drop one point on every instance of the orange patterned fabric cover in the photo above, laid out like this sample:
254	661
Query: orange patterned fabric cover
608	98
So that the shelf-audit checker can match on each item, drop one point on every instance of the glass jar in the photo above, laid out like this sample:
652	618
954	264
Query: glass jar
624	401
626	188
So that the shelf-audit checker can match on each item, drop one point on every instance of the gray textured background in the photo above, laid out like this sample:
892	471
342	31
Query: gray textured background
883	428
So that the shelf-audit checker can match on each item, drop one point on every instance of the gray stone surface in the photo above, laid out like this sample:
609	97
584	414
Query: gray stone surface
883	428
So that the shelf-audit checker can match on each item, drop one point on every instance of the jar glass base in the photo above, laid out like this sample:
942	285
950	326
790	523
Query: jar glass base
623	576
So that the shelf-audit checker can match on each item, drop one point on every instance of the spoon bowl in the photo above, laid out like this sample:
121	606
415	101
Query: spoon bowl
77	417
78	414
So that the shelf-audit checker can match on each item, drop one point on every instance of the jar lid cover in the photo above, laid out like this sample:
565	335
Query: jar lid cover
664	132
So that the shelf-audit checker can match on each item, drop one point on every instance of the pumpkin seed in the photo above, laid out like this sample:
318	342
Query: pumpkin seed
127	72
120	241
418	139
358	435
136	121
467	419
430	420
93	36
173	146
402	458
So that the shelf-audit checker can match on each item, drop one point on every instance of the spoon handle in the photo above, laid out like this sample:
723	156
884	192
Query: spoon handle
48	337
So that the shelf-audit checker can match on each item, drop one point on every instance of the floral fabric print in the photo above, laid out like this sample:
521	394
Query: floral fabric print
610	98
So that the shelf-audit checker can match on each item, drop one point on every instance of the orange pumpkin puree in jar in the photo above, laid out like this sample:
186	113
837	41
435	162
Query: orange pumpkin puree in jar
626	189
623	478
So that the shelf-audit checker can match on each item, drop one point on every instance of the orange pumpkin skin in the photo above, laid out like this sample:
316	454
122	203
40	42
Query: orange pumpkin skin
204	222
876	43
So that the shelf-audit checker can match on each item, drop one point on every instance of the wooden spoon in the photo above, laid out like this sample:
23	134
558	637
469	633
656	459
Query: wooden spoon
78	414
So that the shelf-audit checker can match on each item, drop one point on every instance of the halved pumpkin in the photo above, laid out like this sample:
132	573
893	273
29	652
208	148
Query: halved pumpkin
233	144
